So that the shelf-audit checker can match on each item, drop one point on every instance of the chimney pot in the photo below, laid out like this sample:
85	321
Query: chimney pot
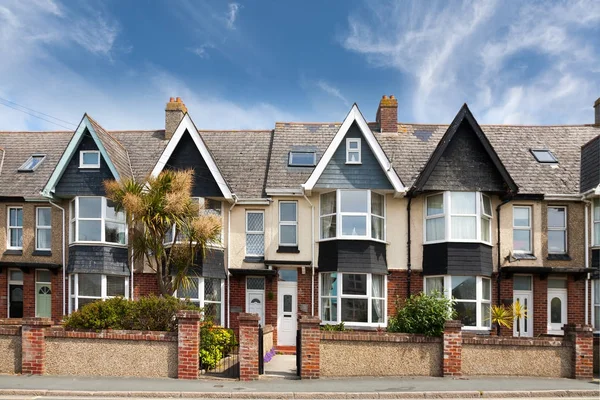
174	112
172	99
597	111
387	114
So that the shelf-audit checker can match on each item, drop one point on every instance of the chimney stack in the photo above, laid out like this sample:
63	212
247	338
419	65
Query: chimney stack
387	114
597	111
174	113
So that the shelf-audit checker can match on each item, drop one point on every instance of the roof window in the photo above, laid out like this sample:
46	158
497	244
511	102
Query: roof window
544	156
301	159
32	163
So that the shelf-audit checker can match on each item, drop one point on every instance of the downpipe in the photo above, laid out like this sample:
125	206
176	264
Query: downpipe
229	260
312	256
64	267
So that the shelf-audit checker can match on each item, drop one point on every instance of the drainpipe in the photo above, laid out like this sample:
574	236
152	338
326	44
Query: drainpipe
132	266
408	244
229	259
64	266
587	256
312	255
499	278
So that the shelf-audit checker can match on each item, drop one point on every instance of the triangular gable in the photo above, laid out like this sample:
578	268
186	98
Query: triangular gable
463	116
355	116
86	124
187	124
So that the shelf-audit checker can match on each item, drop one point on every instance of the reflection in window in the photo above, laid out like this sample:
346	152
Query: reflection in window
555	311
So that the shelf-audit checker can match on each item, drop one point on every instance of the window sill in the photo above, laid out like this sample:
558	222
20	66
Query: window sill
42	253
288	249
458	241
524	256
352	238
98	244
254	259
558	257
15	252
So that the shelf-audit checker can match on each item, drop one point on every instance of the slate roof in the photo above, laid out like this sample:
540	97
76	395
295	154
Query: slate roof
116	151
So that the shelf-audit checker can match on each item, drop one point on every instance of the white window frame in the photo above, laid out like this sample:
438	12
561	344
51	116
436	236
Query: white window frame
74	291
340	295
595	305
10	227
291	158
595	222
479	300
288	223
200	300
349	141
261	232
487	217
74	235
523	228
23	168
559	229
206	211
89	166
339	216
447	215
39	227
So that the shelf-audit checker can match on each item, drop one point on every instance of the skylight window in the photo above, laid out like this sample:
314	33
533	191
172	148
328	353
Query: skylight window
32	163
544	156
301	159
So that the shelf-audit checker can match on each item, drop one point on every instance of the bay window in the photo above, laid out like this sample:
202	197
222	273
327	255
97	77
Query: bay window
94	219
459	217
88	288
205	206
206	293
472	297
355	299
352	214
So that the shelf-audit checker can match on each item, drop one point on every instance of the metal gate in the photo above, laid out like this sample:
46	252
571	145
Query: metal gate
218	360
261	348
299	352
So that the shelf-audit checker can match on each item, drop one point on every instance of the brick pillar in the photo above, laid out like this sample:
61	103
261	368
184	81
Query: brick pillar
248	346
452	361
583	350
188	337
33	354
310	364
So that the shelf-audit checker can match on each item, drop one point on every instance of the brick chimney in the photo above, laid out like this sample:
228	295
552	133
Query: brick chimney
597	111
387	114
174	113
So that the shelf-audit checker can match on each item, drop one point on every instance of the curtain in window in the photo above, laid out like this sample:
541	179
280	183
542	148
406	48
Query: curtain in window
435	284
597	305
463	203
435	228
377	309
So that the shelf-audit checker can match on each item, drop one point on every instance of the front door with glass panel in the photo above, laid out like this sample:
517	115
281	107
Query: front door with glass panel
557	310
43	294
287	307
15	294
523	293
255	297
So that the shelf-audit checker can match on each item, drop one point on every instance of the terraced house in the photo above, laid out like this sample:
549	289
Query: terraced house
337	220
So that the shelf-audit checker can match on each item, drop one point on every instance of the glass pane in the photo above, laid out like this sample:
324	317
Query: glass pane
377	204
16	275
189	291
596	233
43	217
354	284
287	303
90	207
288	275
255	244
464	228
464	287
597	291
435	284
354	201
213	311
255	283
255	222
114	232
328	203
435	229
31	163
521	282
521	216
556	241
354	310
435	204
329	310
354	225
377	227
377	286
90	285
557	283
486	289
212	289
466	313
212	207
16	237
353	156
90	158
328	227
556	217
486	204
543	155
329	284
44	276
596	318
84	301
486	319
377	310
287	212
555	311
90	231
485	229
463	202
521	240
112	214
43	239
596	209
300	158
288	234
16	217
353	144
115	286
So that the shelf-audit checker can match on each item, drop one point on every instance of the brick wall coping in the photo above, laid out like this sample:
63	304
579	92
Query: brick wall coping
515	341
155	336
248	317
10	330
378	337
267	329
189	314
11	321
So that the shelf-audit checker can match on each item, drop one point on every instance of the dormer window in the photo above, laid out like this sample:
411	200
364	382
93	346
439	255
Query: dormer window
544	156
89	159
353	151
32	163
301	159
352	214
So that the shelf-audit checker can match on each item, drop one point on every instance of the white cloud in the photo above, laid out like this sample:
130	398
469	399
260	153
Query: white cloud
202	50
512	62
332	91
232	14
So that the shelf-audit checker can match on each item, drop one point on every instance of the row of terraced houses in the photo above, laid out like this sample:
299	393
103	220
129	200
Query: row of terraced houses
336	220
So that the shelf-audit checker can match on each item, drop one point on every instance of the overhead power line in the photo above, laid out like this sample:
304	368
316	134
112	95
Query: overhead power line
4	102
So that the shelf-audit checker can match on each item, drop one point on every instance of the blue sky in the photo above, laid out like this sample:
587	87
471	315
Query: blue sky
246	64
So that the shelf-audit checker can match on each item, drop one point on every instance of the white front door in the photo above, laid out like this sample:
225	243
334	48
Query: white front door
525	324
557	310
255	304
287	313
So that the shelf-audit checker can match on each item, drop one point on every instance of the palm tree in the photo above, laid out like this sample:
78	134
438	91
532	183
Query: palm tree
162	209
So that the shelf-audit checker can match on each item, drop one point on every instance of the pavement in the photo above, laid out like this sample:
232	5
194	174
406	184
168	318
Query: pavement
57	387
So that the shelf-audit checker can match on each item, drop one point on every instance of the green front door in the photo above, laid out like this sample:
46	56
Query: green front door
43	300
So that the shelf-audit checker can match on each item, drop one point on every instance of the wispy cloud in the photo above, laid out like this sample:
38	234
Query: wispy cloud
202	50
332	91
512	62
232	14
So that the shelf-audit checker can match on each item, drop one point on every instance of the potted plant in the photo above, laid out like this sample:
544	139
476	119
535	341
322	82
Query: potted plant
501	316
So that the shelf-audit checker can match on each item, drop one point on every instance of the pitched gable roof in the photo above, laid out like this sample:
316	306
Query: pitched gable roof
355	116
117	153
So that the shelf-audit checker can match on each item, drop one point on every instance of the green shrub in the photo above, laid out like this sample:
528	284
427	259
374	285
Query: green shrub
422	314
148	313
333	328
215	343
